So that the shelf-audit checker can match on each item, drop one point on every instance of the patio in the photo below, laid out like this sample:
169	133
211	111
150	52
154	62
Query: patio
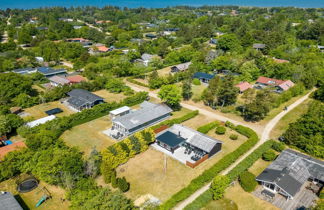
305	198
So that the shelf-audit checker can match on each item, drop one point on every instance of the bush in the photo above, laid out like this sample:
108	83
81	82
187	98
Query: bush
206	128
218	186
229	125
179	120
123	185
233	136
269	155
221	130
278	146
247	181
136	82
196	81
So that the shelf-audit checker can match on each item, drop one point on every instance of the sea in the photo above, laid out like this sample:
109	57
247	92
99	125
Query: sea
28	4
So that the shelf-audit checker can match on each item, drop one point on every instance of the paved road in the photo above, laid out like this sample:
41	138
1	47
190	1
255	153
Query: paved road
264	137
265	133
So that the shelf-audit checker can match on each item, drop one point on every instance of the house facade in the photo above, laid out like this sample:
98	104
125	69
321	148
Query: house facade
279	85
82	99
180	67
148	115
289	172
203	77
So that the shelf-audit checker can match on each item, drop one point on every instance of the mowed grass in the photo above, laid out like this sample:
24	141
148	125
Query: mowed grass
245	200
147	173
197	90
38	111
222	204
290	117
110	97
259	166
31	198
89	135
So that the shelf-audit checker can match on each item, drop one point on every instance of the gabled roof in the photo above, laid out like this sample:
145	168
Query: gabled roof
145	114
120	110
103	49
24	71
80	97
291	170
147	57
183	66
8	202
243	86
202	75
11	147
286	85
269	81
171	139
76	79
59	80
47	71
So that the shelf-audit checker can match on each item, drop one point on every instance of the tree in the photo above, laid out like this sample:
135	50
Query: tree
113	181
278	146
227	93
319	94
9	123
93	164
247	181
259	107
218	186
186	90
249	71
171	95
123	185
229	42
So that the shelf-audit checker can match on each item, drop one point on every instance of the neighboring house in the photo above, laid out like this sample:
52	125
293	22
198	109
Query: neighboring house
321	48
280	85
77	40
76	79
203	77
119	112
289	172
99	49
146	59
39	59
25	71
178	135
148	115
58	81
213	41
150	36
49	72
243	86
259	46
180	67
82	99
40	121
8	202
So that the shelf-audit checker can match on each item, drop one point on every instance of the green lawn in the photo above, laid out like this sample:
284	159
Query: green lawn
197	90
223	204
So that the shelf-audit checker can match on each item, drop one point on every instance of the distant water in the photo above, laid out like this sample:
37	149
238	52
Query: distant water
27	4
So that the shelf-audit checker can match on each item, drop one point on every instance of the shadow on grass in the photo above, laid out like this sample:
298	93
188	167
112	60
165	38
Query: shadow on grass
21	202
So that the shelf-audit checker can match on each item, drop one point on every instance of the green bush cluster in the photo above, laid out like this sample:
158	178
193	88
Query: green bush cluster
321	195
206	128
278	146
220	130
178	120
137	82
209	174
269	155
233	136
229	125
196	81
247	181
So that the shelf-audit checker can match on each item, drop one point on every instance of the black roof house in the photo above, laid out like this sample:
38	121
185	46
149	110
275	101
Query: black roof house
8	201
203	77
290	171
83	99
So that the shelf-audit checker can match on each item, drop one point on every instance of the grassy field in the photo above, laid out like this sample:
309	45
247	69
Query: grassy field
245	200
291	117
259	166
147	175
29	200
197	90
110	97
38	111
222	204
89	135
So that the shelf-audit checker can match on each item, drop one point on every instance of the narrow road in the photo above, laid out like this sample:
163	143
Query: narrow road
92	26
264	137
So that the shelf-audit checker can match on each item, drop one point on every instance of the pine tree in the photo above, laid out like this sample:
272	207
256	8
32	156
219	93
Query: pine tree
186	90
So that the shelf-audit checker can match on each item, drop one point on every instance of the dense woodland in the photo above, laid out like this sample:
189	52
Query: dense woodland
291	34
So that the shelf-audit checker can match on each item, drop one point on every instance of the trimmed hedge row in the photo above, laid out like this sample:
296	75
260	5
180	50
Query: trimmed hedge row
206	197
209	174
179	120
137	82
206	128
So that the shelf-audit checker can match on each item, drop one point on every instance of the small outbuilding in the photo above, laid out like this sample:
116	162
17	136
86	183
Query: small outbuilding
120	112
40	121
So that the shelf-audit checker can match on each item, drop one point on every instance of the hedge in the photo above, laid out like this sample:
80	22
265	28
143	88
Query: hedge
206	197
209	174
137	82
179	120
206	128
220	130
247	181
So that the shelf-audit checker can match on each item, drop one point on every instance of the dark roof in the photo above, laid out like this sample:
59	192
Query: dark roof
23	70
259	46
80	97
47	71
202	75
8	201
171	139
54	111
291	170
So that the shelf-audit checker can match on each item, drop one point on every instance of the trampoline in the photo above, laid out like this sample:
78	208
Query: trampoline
27	185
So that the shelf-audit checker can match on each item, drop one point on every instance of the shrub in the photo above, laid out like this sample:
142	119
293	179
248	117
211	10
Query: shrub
196	81
247	181
206	128
269	155
278	146
123	185
218	186
221	130
229	125
113	181
233	136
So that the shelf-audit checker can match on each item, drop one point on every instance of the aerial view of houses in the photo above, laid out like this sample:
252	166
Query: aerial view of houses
152	105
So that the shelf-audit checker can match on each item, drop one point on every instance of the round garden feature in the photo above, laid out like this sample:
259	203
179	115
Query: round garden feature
27	185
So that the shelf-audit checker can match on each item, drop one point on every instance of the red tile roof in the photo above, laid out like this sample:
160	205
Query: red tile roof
269	81
103	49
286	85
244	86
12	147
76	79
